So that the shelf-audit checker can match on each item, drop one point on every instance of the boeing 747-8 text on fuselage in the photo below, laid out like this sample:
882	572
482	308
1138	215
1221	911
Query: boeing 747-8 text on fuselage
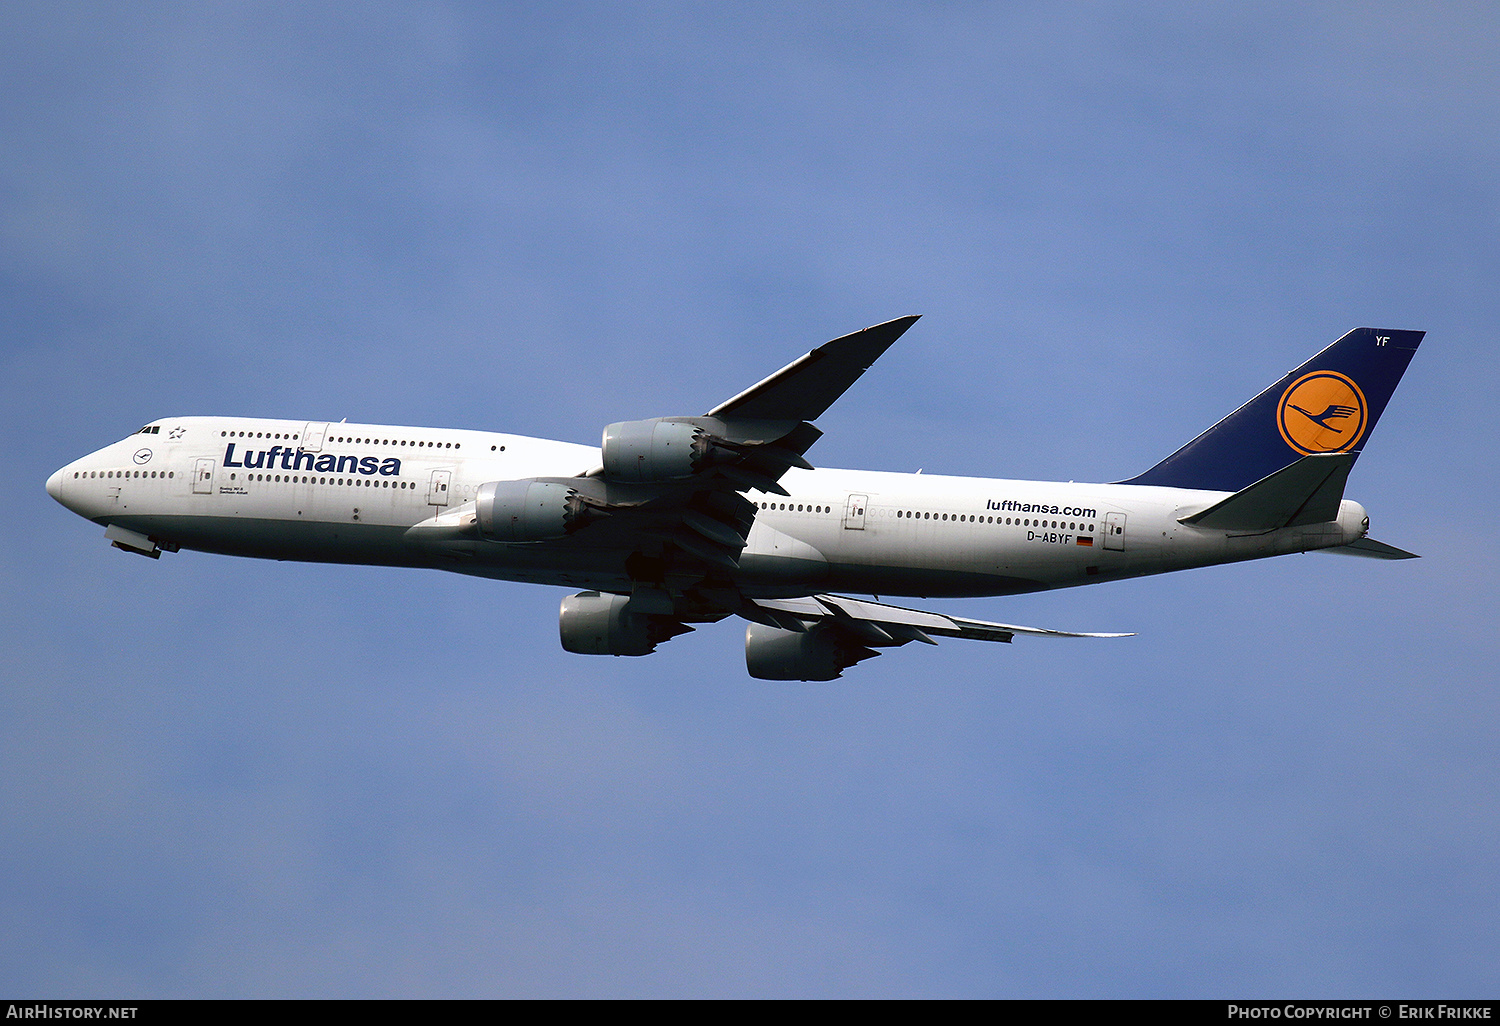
681	520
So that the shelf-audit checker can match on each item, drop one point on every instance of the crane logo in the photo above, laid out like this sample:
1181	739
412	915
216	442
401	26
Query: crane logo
1322	412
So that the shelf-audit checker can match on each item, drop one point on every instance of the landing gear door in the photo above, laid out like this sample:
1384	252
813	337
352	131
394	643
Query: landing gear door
1114	531
437	489
203	477
854	512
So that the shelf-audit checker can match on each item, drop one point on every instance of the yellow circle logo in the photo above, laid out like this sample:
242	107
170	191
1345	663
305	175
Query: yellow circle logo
1322	412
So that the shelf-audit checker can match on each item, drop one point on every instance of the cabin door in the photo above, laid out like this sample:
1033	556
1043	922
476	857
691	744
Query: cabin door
1114	531
203	477
854	512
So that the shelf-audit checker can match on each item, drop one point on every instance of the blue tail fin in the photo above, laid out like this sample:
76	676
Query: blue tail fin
1329	404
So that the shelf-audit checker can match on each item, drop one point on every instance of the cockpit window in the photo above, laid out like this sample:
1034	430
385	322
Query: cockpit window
150	429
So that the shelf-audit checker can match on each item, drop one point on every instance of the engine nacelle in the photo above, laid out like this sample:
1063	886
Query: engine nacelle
593	624
524	511
820	653
654	450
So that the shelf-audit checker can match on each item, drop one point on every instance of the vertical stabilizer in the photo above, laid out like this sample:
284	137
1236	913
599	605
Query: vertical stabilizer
1328	405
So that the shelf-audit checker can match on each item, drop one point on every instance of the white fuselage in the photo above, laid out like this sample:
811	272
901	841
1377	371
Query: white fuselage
351	493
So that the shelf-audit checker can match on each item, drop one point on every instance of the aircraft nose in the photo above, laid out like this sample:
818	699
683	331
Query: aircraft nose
62	487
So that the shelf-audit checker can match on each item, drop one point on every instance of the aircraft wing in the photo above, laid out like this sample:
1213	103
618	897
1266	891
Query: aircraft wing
818	637
885	625
805	388
691	515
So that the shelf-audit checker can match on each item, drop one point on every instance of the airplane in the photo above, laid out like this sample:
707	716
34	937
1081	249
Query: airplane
675	521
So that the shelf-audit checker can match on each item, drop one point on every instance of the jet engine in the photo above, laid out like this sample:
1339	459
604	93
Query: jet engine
593	624
654	450
750	453
525	511
818	653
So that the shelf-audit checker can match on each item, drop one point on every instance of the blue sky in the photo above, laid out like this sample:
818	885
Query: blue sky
223	777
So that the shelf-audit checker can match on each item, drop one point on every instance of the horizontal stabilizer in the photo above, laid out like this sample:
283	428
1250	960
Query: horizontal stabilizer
1307	492
1371	549
805	388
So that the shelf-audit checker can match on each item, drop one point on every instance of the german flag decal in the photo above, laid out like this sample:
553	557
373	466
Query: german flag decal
1085	540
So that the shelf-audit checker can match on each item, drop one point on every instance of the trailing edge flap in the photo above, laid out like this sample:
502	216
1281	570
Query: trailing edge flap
1371	549
894	625
1307	492
806	387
